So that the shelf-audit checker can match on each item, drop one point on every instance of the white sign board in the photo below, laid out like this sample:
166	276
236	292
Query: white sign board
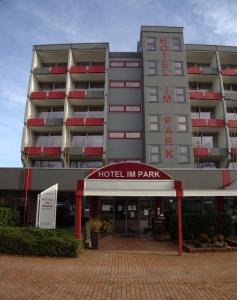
46	208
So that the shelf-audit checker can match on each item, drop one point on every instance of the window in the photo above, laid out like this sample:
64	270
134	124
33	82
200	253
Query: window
153	121
51	86
51	112
230	87
178	68
86	164
152	94
200	86
132	108
203	113
232	113
87	140
116	64
89	112
154	154
176	44
46	164
233	139
116	135
208	164
184	154
116	84
132	64
132	84
180	96
151	67
48	140
133	135
150	43
116	108
205	140
182	123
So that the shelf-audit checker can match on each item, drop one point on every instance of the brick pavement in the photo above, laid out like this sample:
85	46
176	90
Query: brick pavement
120	275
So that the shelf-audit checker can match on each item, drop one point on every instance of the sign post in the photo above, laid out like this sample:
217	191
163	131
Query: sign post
46	208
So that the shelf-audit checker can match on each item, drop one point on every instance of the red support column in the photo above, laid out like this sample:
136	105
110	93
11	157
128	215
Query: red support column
28	174
79	196
179	194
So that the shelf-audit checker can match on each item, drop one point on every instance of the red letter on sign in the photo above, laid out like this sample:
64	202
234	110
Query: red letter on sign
168	130
169	153
167	98
168	119
168	141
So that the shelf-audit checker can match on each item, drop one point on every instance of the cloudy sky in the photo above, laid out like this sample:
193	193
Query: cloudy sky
24	23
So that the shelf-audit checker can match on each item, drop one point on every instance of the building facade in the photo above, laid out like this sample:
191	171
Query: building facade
169	104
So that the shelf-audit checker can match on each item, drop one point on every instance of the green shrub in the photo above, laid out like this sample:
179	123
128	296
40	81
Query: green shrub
195	224
41	242
9	217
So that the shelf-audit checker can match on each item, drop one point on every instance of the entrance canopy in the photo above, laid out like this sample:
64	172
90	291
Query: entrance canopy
129	179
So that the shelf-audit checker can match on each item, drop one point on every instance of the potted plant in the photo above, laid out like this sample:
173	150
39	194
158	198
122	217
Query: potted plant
95	225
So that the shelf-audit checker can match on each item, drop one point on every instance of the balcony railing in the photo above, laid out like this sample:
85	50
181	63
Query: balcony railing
87	69
50	70
85	122
208	123
42	95
86	94
229	71
47	151
202	70
199	95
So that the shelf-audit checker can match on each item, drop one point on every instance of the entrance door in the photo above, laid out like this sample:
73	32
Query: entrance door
126	214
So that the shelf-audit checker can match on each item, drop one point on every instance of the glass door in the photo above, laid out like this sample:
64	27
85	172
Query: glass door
120	216
132	217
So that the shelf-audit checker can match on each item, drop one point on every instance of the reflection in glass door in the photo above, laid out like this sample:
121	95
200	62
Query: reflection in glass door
126	217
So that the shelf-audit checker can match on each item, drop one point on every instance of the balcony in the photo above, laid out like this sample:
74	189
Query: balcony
199	95
232	123
44	74
42	124
43	151
87	69
84	151
210	152
48	97
86	124
229	71
231	95
202	70
92	96
208	123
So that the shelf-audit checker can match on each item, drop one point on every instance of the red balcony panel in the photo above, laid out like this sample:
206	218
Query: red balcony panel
213	96
75	122
56	95
194	70
33	150
234	151
52	151
79	69
93	151
196	95
199	123
58	70
216	123
200	151
232	123
77	95
228	72
94	121
38	95
35	122
96	69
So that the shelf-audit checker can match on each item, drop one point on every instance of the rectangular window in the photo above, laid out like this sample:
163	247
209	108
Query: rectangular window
132	64
132	84
150	43
133	108
152	94
176	44
154	154
133	135
116	84
178	68
116	64
180	95
205	140
116	135
182	123
184	154
116	108
151	67
153	121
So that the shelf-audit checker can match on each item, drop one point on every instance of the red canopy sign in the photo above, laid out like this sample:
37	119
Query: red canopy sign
129	171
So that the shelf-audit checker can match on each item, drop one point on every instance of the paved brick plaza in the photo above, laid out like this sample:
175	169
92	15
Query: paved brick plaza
107	274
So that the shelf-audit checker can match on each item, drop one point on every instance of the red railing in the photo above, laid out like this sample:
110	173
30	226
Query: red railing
232	123
58	70
47	151
77	95
229	72
87	69
200	151
85	121
208	123
205	95
194	70
91	151
41	95
75	122
35	122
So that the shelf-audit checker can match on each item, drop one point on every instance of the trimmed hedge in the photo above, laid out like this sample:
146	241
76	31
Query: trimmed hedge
41	242
9	217
194	224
